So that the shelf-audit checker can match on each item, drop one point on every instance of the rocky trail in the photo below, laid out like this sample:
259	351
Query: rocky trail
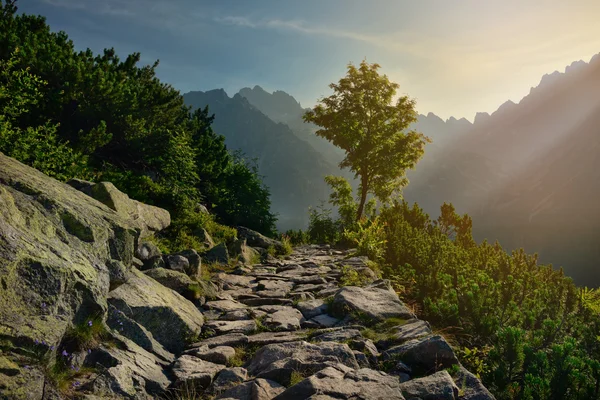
89	310
286	329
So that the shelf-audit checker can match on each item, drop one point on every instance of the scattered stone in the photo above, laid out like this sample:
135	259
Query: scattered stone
228	378
224	305
217	355
177	263
147	251
325	321
231	339
194	268
312	308
286	319
178	281
263	301
438	386
264	389
193	373
341	335
264	338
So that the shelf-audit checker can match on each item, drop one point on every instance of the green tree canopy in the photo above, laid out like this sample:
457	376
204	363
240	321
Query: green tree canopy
361	118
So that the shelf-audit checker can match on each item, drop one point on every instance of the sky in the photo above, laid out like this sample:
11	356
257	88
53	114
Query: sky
455	58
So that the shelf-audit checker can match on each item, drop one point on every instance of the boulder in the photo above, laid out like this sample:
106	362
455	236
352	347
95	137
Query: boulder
438	386
373	303
341	382
413	329
217	355
128	371
264	389
192	373
147	218
55	244
217	254
227	378
175	280
245	254
194	266
171	318
256	239
177	263
125	326
278	361
426	354
146	251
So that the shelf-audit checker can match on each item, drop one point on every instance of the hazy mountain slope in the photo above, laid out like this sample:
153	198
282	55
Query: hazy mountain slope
528	173
282	107
292	169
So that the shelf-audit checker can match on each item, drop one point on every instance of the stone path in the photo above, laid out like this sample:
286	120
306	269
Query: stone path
286	329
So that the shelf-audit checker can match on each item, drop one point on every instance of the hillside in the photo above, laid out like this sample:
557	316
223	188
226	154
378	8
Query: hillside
292	169
529	168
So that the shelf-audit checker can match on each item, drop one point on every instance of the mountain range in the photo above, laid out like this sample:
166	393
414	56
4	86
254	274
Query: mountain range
528	174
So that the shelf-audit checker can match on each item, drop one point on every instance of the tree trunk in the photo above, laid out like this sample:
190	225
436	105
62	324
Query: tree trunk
363	198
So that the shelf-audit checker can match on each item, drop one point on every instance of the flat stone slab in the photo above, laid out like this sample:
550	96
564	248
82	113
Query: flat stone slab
231	339
325	320
265	338
224	305
372	302
223	327
263	301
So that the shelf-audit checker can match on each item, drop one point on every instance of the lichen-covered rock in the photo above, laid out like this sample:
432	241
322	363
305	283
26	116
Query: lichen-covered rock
128	371
147	218
55	243
217	355
178	281
170	317
125	326
438	386
370	302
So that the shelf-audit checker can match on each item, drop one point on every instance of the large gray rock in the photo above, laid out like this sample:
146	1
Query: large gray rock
147	218
256	239
125	326
372	303
217	254
194	266
278	361
178	281
438	386
192	373
55	244
228	378
413	329
171	318
426	354
128	371
245	254
312	308
341	382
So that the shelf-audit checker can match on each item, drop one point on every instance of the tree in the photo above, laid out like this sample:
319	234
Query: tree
361	118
